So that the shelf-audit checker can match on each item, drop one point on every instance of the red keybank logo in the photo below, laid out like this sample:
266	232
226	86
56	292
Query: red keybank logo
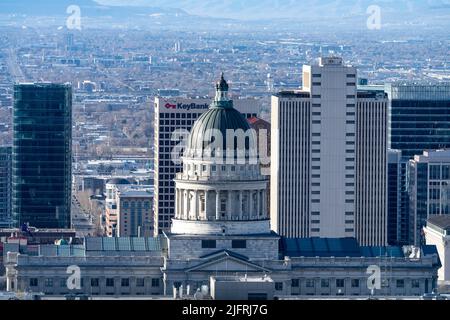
170	106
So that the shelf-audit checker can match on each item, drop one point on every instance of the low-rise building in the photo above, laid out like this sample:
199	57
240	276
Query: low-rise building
437	233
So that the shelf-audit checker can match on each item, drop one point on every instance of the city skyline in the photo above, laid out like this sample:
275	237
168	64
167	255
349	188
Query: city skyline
190	150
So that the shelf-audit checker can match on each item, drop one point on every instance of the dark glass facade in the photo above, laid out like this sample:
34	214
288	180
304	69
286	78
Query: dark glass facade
418	196
420	120
419	125
398	200
5	186
42	131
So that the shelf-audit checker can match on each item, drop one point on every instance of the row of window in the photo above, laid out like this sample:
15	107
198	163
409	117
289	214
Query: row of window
95	282
354	283
192	115
235	244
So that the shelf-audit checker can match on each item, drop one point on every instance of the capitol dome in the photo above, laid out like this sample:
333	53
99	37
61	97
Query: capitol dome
214	197
208	136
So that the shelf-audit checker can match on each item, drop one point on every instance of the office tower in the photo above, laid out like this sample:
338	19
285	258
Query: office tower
317	190
398	200
371	215
429	189
111	215
42	130
419	118
134	211
262	130
418	122
5	186
178	115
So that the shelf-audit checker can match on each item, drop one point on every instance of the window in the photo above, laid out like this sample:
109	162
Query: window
110	282
415	283
279	286
295	283
213	168
223	205
140	282
94	282
239	244
400	283
125	282
325	283
309	283
208	244
48	282
155	283
340	283
33	282
355	283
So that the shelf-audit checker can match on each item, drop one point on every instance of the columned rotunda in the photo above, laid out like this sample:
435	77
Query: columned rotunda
221	189
221	224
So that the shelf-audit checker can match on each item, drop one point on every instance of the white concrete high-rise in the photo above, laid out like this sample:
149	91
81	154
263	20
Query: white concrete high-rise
371	215
316	143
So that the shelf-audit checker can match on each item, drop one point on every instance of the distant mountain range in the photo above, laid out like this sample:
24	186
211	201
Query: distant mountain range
88	7
299	9
308	11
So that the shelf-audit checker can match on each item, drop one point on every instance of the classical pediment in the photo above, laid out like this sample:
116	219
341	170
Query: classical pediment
227	261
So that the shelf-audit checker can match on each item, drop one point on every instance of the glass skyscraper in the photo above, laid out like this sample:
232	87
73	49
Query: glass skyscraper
420	118
42	131
5	186
419	121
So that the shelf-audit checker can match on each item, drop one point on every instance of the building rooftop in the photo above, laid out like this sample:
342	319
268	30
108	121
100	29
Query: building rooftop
118	181
440	222
434	156
334	247
294	94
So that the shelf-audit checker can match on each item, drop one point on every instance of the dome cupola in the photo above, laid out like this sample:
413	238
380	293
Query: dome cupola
208	138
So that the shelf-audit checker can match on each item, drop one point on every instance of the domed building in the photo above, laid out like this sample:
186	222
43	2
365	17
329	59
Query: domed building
221	190
221	209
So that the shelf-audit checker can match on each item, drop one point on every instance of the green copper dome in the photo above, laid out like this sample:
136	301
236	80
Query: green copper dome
214	124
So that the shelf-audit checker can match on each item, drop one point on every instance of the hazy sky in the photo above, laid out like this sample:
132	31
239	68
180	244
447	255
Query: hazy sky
293	8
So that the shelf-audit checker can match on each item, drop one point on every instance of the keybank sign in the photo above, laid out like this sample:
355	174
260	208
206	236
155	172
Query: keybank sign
186	106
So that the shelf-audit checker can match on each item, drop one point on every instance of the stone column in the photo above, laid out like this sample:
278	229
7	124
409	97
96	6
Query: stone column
195	206
240	204
206	204
258	203
264	203
230	203
217	204
177	203
186	202
250	199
